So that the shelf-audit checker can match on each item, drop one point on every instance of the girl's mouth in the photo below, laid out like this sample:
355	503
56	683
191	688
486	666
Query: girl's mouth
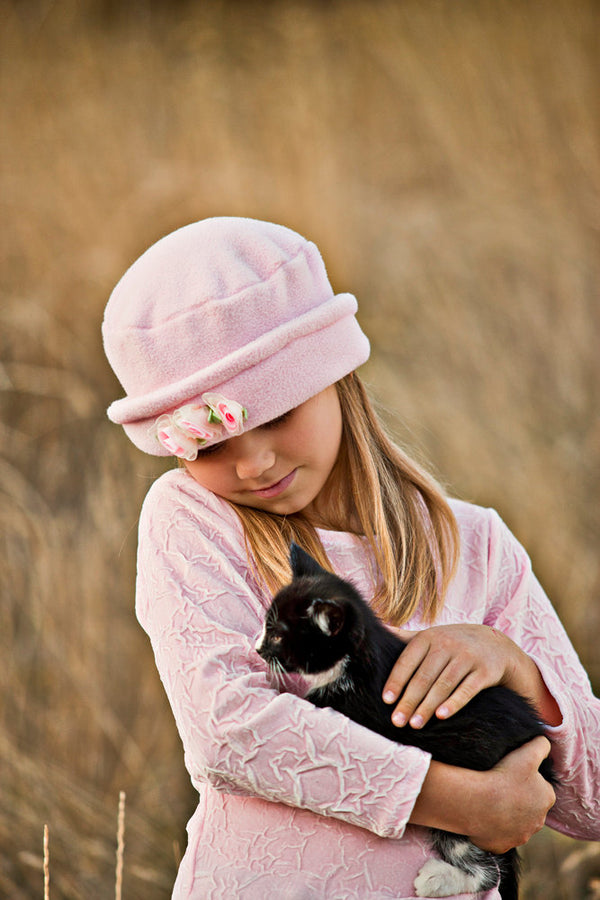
275	489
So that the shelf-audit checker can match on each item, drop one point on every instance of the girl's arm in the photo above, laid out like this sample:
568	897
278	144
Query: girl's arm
523	645
203	613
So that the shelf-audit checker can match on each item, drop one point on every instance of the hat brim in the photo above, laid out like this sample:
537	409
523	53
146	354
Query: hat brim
298	371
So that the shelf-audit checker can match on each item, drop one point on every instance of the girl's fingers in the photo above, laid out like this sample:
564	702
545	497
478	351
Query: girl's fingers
440	670
419	665
524	763
446	695
538	749
543	749
424	693
434	680
451	703
404	668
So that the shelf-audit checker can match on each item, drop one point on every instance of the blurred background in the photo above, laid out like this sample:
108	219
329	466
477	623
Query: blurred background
443	154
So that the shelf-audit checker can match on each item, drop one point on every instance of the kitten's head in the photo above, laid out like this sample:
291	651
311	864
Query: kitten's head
314	622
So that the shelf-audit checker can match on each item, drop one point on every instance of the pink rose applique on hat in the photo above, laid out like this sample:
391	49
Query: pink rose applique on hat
184	431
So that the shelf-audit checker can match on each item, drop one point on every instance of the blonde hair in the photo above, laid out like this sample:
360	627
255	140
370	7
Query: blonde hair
391	500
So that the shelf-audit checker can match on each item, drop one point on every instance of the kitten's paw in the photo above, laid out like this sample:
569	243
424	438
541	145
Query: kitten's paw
439	879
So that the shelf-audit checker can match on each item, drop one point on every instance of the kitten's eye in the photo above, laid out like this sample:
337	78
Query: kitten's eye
276	639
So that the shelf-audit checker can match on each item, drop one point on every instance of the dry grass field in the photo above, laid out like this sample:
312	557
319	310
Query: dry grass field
444	156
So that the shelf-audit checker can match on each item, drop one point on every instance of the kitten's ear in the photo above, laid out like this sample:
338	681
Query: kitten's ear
303	563
328	615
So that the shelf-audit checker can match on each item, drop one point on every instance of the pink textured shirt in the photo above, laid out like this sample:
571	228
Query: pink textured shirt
299	803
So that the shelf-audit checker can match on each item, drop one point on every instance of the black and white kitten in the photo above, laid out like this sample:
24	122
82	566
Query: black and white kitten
320	627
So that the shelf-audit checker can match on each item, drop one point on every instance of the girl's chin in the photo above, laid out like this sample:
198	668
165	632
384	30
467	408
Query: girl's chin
280	506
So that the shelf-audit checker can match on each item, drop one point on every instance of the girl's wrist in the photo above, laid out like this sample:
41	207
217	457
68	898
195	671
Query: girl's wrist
453	798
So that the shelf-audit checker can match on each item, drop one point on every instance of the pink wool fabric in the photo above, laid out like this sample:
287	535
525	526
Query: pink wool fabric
234	306
299	803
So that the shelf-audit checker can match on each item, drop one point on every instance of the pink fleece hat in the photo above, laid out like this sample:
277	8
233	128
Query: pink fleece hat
236	309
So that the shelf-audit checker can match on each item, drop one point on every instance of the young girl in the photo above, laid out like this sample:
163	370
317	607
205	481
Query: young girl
237	358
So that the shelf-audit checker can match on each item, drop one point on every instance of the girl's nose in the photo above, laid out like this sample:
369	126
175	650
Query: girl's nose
254	457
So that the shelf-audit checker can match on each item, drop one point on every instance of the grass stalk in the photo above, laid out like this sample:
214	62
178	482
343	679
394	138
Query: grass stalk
46	864
120	846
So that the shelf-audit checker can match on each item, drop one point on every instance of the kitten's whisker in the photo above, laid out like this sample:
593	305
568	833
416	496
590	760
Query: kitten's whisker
281	671
277	671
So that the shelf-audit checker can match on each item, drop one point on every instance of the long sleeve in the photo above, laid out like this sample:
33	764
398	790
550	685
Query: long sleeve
203	614
519	607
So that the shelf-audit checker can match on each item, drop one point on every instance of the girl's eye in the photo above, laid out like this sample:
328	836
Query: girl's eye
211	450
214	449
279	420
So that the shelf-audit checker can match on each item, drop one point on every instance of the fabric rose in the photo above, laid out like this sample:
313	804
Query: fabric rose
229	412
195	425
195	421
175	440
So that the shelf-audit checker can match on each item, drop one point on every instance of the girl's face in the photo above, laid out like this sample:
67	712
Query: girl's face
280	466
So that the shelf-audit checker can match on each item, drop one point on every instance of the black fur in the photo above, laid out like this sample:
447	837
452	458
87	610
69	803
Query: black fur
319	620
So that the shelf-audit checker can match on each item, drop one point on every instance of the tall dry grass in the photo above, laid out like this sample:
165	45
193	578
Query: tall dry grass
444	155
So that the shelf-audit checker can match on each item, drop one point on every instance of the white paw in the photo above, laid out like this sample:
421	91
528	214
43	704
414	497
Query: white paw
439	879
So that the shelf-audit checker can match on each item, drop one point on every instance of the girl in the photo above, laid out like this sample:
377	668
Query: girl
236	357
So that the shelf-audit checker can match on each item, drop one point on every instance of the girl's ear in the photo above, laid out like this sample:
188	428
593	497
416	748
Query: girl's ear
328	615
303	563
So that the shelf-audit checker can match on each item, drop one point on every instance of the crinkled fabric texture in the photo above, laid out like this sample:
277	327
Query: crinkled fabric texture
299	803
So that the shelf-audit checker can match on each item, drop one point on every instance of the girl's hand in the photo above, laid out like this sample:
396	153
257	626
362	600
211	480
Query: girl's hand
497	809
519	802
443	667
